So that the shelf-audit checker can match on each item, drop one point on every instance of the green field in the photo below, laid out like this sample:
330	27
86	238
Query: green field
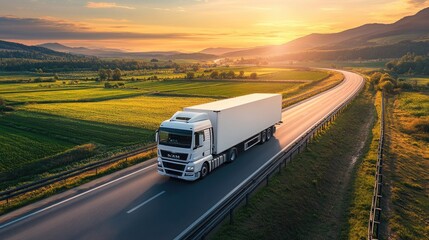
53	118
145	112
69	95
423	81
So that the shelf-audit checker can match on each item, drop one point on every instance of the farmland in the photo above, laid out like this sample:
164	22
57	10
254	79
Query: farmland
63	116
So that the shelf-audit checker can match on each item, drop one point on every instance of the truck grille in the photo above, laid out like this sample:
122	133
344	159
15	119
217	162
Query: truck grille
173	172
178	156
175	166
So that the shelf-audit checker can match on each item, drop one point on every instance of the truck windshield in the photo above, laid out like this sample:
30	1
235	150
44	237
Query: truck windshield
175	137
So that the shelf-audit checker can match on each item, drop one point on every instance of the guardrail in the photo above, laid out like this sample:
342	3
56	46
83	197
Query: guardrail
375	212
206	223
6	195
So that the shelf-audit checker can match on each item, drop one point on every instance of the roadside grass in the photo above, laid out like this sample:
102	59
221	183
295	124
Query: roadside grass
362	190
145	112
309	198
407	166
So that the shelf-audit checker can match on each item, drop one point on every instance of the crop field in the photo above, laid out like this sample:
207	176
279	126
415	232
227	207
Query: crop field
29	136
54	118
418	80
145	112
69	95
212	88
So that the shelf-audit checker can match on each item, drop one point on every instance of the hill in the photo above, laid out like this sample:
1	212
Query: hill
116	53
220	50
408	29
17	50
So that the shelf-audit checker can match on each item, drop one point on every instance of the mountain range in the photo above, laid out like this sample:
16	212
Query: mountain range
411	28
368	41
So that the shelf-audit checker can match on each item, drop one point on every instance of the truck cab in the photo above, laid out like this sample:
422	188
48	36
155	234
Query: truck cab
184	145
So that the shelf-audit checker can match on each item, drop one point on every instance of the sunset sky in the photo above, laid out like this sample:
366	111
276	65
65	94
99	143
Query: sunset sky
188	25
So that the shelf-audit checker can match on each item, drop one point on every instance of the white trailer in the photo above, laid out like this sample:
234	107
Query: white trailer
200	138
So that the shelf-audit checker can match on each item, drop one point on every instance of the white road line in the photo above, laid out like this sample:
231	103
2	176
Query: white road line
74	197
150	199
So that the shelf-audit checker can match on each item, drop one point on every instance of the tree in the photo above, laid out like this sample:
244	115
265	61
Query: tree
375	78
230	74
154	60
214	74
117	74
190	75
109	74
386	86
241	74
102	74
253	75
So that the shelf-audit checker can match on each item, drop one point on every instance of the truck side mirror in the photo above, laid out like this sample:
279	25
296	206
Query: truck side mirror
156	135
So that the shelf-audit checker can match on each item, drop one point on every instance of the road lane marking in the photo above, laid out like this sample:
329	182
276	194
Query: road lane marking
74	197
180	236
150	199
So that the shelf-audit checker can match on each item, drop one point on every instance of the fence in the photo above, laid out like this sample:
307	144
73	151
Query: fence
375	213
226	206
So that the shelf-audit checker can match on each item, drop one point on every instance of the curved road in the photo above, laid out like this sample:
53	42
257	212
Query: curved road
144	205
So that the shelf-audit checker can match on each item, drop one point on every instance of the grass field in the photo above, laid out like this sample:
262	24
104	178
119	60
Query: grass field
55	119
407	167
309	198
69	95
422	81
30	136
145	112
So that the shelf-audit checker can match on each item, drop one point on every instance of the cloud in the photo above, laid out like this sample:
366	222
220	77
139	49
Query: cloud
49	29
416	2
106	5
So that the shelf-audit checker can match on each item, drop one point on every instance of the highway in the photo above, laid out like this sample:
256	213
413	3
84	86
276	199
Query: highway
141	204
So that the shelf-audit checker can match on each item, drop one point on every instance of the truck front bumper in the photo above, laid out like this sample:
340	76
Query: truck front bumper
188	176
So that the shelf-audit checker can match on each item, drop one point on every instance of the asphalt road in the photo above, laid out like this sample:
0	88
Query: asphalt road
144	205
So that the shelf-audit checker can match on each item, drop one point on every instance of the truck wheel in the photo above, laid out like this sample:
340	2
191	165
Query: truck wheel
263	136
269	134
232	154
204	170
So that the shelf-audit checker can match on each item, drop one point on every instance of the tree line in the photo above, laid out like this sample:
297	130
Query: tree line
410	64
215	74
80	64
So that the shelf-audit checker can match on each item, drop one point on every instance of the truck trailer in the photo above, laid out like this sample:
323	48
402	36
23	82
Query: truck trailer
195	141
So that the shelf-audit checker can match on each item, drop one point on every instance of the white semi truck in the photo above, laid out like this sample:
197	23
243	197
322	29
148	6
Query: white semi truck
200	138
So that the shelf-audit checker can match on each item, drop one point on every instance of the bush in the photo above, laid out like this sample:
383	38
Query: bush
253	75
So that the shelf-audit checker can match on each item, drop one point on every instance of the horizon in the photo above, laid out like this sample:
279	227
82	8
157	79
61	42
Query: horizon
188	26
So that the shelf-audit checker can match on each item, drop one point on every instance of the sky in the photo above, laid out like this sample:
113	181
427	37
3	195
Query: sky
188	25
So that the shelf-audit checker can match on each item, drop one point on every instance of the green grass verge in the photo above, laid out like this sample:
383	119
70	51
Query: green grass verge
358	212
304	200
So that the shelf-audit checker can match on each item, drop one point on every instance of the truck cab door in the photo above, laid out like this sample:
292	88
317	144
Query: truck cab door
207	148
198	145
202	146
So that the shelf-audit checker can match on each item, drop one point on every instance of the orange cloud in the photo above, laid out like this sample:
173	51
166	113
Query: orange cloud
106	5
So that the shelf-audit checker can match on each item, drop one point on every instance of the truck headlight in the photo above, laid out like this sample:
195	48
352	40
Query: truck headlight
159	164
190	168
